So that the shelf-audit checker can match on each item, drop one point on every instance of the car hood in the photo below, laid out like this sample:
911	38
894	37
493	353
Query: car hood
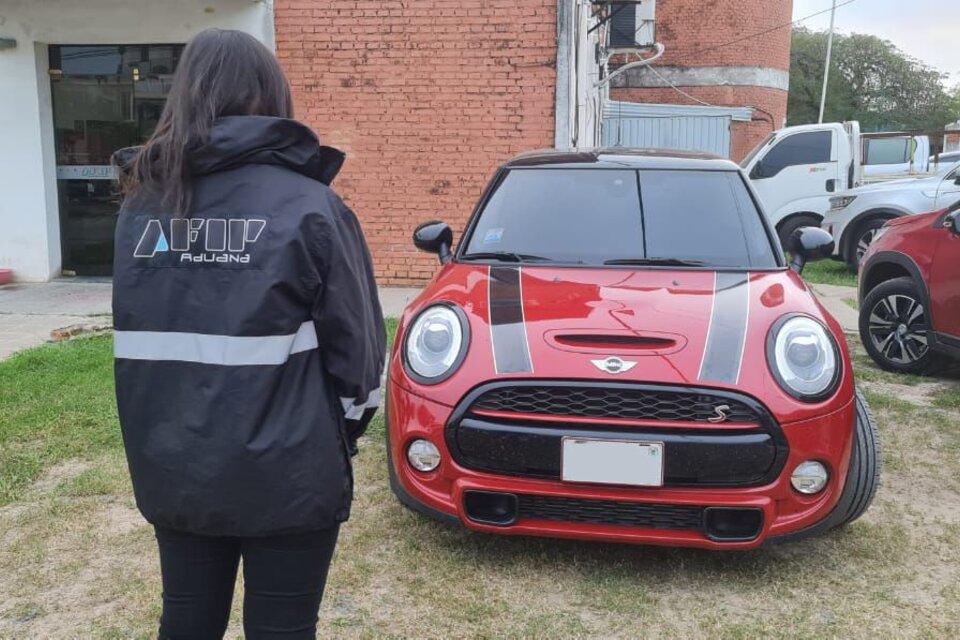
896	185
677	327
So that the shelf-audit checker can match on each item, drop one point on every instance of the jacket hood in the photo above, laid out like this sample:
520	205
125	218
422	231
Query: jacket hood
236	141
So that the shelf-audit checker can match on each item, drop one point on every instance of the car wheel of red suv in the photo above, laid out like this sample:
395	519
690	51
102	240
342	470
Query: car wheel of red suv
894	327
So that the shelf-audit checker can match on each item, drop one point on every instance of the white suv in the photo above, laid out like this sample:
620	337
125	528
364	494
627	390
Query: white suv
856	214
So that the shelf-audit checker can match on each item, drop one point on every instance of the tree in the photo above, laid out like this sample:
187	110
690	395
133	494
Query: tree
871	80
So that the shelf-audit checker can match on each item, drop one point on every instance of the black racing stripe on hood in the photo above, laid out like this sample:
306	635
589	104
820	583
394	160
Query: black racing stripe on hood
723	353
508	329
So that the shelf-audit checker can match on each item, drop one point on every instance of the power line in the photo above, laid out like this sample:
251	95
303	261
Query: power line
771	29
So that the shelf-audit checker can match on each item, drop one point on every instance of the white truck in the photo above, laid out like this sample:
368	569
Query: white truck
856	215
796	170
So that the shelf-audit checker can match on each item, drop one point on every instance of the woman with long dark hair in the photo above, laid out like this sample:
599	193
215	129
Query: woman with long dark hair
249	344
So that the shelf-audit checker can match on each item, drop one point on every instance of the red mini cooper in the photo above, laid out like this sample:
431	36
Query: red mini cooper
617	351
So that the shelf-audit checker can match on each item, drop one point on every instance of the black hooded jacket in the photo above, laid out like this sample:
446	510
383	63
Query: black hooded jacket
249	338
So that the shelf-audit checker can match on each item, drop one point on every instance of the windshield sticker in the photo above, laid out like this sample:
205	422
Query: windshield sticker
493	236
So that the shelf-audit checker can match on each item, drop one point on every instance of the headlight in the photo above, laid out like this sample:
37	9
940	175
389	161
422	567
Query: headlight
841	202
436	344
804	358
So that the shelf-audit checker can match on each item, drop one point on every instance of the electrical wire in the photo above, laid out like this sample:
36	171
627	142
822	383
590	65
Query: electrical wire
737	41
678	89
770	30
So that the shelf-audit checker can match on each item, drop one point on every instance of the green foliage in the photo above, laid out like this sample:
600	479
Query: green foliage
871	80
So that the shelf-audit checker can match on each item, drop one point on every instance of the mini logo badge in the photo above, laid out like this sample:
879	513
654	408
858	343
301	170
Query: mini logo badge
614	365
721	414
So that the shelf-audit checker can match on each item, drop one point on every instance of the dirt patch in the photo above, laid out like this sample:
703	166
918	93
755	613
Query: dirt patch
58	474
919	394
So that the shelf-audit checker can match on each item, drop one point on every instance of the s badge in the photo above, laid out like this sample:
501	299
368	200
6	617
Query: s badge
614	365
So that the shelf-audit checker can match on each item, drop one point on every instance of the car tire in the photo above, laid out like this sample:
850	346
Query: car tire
860	241
894	326
863	475
862	481
788	227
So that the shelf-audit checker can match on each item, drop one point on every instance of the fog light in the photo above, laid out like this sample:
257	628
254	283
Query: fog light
809	477
423	455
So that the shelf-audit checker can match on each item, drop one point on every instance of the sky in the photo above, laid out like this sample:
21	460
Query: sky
928	30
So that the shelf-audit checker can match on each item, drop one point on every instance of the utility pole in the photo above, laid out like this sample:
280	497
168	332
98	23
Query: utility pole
826	69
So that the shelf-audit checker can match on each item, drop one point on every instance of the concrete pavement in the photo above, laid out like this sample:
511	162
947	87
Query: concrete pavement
29	312
839	302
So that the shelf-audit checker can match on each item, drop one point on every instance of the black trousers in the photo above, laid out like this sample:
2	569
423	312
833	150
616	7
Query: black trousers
283	579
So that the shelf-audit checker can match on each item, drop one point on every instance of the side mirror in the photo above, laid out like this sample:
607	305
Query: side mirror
952	222
808	244
956	180
434	237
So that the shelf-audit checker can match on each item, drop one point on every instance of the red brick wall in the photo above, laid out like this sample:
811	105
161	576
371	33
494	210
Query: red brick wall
691	31
694	30
743	135
426	97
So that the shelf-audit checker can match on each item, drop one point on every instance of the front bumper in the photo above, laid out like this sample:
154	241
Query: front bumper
669	515
835	223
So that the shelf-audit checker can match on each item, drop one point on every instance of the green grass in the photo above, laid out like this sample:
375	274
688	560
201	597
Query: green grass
56	402
830	272
77	561
948	398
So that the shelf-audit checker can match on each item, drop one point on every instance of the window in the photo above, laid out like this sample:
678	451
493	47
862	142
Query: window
753	154
567	215
798	149
888	150
703	215
591	216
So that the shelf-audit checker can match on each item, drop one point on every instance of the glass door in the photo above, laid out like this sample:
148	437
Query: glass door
105	98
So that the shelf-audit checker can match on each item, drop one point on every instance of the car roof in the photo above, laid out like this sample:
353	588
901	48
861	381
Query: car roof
621	158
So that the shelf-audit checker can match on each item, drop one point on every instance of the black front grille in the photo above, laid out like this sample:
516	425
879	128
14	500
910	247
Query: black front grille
517	428
622	514
607	402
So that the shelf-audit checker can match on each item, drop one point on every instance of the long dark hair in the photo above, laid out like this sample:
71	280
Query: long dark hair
222	72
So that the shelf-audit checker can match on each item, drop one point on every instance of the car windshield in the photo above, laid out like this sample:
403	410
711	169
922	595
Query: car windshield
621	216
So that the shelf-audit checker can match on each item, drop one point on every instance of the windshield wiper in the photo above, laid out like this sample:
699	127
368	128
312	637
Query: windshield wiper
504	256
656	262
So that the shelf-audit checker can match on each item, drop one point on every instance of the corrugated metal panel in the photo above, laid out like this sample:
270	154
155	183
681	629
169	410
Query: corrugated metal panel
613	108
689	133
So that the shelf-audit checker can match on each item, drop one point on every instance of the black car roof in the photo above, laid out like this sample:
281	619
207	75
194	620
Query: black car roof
621	158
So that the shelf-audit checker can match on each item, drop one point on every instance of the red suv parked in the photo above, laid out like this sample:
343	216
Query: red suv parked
910	291
618	351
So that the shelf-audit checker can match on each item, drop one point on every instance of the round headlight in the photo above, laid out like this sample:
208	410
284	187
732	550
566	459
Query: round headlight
423	455
809	477
435	344
804	358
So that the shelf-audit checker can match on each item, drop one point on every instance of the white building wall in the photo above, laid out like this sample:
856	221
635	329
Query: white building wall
29	215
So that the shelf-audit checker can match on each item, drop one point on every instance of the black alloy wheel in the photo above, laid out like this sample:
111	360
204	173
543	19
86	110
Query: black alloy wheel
894	327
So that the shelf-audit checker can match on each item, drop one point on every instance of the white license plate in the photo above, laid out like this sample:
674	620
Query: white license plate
612	462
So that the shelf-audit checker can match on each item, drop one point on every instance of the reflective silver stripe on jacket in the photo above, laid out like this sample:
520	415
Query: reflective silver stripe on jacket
213	349
354	411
